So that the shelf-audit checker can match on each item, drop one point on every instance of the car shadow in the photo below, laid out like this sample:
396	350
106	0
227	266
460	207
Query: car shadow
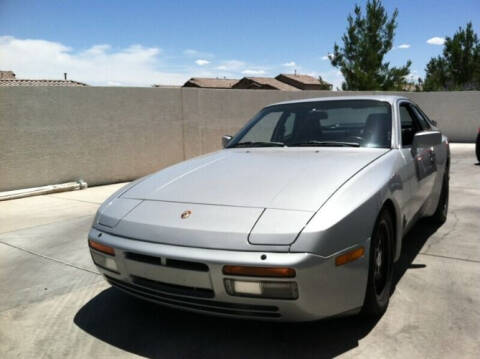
155	331
412	244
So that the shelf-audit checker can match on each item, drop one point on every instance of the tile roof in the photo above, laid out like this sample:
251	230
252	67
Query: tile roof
265	82
36	83
306	79
304	82
7	75
207	82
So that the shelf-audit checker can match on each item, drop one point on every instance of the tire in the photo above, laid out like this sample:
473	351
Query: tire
380	272
440	215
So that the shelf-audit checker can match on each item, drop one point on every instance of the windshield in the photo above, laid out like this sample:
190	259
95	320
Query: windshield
356	123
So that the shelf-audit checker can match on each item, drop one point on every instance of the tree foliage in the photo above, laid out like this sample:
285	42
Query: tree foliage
324	85
367	40
458	68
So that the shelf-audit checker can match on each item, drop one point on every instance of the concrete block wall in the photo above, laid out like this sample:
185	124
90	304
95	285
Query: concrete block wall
111	134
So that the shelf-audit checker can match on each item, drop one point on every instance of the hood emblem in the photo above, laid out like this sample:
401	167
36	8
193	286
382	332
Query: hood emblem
185	214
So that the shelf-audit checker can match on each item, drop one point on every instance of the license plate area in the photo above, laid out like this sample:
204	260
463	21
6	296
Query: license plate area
170	275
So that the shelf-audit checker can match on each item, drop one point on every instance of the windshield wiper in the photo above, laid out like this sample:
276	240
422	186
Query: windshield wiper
259	144
325	143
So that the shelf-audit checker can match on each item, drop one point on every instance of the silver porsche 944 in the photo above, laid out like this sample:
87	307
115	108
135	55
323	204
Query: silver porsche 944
299	217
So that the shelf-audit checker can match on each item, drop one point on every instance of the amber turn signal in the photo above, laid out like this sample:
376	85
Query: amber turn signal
101	247
259	271
350	256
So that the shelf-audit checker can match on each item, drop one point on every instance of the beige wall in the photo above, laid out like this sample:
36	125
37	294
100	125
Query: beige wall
105	135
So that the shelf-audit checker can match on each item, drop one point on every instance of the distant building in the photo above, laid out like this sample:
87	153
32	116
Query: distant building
210	83
283	82
7	75
167	86
304	82
8	79
263	83
412	87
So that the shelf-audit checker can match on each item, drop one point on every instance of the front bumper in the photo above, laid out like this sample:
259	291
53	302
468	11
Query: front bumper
192	279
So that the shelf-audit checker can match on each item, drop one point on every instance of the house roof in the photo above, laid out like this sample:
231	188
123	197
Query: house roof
269	82
37	83
7	75
208	82
304	79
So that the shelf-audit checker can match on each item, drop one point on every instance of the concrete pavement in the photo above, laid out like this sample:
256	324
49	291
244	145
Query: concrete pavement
53	302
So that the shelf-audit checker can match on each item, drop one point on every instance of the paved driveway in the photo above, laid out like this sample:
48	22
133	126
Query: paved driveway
54	304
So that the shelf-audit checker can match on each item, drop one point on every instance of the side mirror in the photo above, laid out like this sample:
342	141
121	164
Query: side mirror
225	140
426	139
434	123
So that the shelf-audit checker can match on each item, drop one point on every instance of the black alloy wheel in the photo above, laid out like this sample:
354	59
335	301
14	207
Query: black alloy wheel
380	274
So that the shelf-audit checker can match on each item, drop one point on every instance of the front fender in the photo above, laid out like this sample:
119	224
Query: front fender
348	217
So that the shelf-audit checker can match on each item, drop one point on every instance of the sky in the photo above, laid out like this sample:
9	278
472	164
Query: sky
146	42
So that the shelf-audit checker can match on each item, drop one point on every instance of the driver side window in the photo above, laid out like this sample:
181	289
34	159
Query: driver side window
409	123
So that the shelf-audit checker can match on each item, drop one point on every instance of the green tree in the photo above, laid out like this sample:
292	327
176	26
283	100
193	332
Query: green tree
325	85
367	40
458	68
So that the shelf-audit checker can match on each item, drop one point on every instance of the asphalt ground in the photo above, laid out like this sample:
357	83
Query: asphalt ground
54	303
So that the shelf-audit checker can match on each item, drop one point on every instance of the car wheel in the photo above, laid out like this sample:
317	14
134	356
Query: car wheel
440	215
380	273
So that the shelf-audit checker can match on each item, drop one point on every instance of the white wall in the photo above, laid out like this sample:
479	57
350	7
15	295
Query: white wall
106	135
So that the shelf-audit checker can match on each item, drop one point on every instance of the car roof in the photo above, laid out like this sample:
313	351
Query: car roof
386	98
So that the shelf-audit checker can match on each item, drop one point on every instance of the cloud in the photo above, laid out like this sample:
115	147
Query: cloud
333	76
231	65
327	57
135	65
403	46
253	72
197	53
105	65
290	64
190	52
324	58
436	41
201	62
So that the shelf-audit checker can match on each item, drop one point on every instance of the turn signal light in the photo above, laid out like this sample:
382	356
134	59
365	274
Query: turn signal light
101	247
350	256
259	271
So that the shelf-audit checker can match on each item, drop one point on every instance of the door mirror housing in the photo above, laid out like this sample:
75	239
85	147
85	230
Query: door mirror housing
225	140
426	139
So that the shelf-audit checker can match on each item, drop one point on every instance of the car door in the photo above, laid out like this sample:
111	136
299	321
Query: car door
439	152
420	159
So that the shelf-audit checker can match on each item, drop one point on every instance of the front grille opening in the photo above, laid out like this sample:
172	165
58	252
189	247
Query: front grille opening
173	288
173	263
195	266
143	258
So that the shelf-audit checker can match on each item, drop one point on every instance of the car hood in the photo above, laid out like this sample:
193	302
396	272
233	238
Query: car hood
274	178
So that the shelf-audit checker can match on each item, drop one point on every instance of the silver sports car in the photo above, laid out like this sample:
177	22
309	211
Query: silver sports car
301	216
